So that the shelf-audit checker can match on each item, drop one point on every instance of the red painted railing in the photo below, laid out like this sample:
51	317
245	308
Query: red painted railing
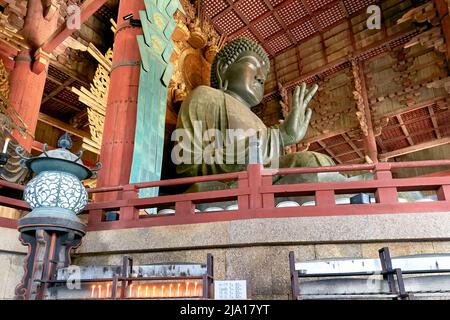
256	196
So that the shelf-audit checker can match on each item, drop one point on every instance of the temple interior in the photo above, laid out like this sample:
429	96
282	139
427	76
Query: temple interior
111	77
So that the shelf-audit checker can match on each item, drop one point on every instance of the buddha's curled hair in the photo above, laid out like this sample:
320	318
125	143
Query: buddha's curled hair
231	51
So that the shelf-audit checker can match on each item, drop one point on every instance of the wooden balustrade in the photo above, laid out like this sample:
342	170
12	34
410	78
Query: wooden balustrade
256	197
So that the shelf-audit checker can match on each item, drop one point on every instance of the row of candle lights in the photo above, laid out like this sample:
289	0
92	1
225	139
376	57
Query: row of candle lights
159	290
5	145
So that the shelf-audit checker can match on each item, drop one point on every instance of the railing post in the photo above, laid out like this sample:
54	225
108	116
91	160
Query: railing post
443	193
129	213
184	209
95	216
385	194
243	201
325	198
268	199
255	183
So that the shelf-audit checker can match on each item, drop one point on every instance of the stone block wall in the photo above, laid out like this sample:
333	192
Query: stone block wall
254	250
257	250
12	255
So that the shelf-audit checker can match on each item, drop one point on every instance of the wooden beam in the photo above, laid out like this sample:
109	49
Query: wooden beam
341	61
53	79
443	9
415	107
434	120
357	151
416	133
415	148
39	146
331	153
418	119
404	129
63	126
87	9
65	104
325	136
58	90
88	143
354	147
78	77
381	144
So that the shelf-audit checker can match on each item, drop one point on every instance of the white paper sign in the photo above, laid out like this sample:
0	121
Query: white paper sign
230	290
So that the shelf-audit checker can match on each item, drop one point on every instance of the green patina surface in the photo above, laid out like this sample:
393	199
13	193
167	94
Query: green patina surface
155	47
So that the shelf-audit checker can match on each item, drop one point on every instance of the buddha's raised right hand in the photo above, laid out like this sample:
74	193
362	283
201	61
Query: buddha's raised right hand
294	127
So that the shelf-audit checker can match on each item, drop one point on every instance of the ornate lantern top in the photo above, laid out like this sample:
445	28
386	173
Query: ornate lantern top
60	159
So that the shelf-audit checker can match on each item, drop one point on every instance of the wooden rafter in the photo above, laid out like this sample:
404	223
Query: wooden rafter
380	143
281	22
88	144
326	136
55	92
415	107
352	151
404	129
68	105
434	121
250	25
354	147
415	120
331	153
63	126
349	25
87	9
415	134
70	73
339	62
415	148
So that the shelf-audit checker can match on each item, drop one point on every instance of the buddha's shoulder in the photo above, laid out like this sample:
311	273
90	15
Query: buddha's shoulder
205	93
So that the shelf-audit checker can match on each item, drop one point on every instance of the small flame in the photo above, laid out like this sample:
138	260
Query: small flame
93	290
131	290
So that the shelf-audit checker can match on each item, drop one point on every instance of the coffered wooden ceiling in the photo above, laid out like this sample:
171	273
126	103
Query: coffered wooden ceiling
279	24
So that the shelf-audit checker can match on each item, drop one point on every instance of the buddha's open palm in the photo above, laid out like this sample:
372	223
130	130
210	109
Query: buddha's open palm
294	127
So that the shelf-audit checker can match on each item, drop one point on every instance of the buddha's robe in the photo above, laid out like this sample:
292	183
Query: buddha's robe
207	110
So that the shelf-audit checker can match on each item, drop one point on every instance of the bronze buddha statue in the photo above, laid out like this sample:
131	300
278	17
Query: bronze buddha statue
208	114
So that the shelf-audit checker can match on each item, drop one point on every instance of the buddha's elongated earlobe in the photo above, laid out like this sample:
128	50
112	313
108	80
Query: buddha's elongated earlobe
220	82
220	75
225	85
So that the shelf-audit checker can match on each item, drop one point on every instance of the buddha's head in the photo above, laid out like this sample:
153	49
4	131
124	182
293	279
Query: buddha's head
240	69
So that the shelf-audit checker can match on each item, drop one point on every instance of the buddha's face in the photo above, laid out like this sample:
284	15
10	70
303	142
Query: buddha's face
246	77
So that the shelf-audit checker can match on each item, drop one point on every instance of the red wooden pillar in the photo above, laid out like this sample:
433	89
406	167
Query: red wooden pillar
27	87
120	122
443	10
26	90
